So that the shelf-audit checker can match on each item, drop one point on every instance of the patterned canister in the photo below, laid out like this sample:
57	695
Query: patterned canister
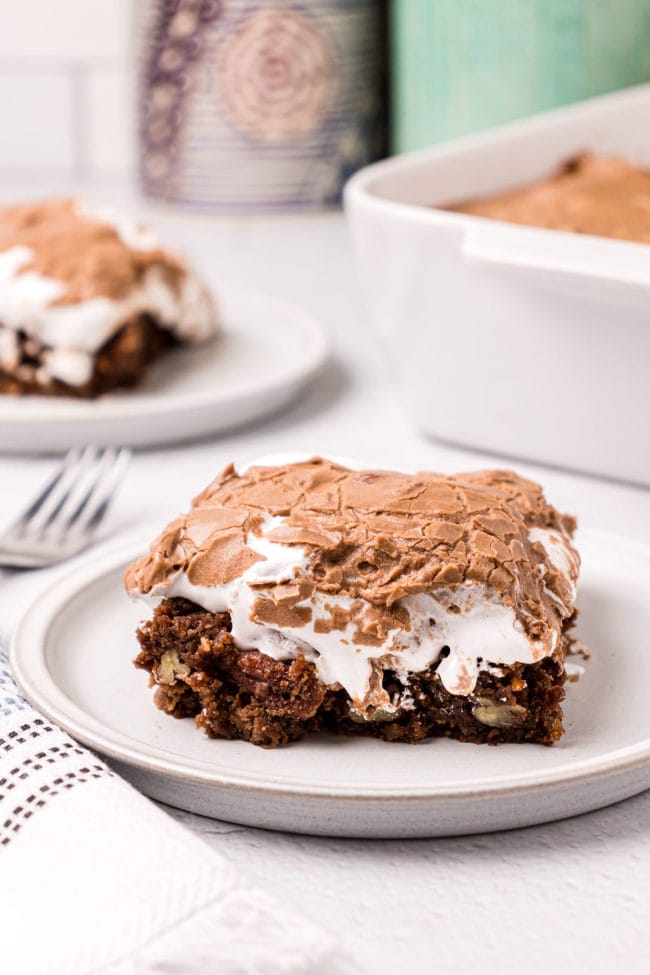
463	65
246	104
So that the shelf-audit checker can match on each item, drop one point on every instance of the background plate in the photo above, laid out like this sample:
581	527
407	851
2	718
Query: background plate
72	657
269	350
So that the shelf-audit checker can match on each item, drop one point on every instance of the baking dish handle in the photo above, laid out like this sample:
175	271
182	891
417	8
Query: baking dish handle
573	261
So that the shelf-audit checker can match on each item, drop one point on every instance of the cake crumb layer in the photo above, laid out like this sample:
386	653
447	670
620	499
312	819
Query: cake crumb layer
199	672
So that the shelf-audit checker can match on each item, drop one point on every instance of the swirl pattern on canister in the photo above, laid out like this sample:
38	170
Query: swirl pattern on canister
276	75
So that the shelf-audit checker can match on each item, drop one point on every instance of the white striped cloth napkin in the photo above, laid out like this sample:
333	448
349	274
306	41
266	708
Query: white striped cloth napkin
95	879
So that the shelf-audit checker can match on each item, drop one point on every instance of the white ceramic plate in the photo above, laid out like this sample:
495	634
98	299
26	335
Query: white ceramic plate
269	351
72	657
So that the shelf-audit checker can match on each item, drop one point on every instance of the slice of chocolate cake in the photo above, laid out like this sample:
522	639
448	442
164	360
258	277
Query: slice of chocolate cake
306	597
88	300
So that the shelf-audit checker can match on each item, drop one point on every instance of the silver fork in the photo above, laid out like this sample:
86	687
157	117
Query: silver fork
62	520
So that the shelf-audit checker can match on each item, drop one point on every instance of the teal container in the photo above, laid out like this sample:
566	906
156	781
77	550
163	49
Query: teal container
459	66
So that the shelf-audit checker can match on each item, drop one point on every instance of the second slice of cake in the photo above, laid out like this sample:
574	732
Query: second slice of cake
89	300
308	596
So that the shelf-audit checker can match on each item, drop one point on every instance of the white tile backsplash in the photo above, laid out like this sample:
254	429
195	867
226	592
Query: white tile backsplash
65	88
36	121
65	29
111	123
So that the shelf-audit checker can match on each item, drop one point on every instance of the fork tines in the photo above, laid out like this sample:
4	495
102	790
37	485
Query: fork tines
63	517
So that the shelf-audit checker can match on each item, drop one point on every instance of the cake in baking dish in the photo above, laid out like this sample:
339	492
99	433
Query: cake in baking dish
602	196
308	597
88	300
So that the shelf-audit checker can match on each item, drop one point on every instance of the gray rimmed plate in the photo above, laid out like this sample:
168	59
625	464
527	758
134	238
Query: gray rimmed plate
72	657
269	351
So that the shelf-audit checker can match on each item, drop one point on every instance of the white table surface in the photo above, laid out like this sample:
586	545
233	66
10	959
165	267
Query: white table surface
572	896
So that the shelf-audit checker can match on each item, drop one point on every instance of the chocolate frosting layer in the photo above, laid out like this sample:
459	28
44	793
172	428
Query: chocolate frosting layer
375	536
604	196
82	251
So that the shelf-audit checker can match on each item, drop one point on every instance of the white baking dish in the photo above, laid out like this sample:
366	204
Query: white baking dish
522	341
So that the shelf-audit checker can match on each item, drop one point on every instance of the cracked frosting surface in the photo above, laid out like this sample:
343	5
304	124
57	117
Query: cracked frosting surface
377	569
604	196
